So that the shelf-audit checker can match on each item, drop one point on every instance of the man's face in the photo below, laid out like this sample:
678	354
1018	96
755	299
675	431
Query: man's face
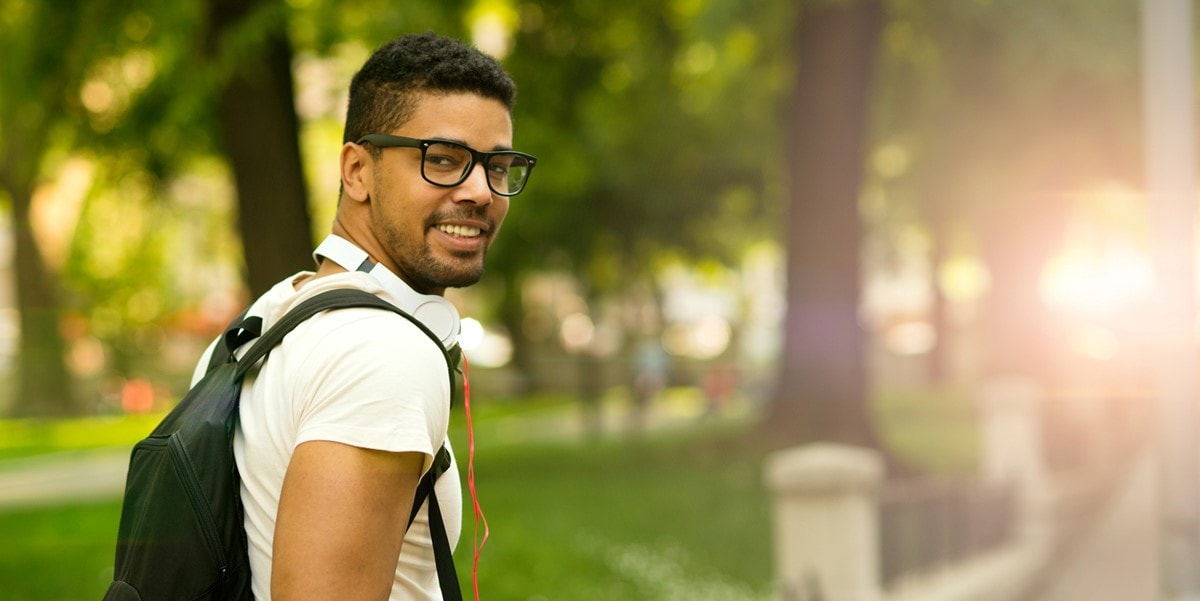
436	238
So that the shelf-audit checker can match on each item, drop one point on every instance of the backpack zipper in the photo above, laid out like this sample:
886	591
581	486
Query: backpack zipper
208	526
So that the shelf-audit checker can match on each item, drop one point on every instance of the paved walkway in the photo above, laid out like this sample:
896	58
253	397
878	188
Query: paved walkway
72	476
1117	560
85	475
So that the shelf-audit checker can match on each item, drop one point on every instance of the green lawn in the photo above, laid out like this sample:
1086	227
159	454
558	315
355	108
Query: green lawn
669	516
59	553
678	516
683	517
28	437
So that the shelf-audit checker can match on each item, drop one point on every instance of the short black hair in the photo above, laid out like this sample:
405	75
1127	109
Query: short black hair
383	93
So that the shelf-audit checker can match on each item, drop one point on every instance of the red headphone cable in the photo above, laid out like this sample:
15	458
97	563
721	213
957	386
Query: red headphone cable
478	544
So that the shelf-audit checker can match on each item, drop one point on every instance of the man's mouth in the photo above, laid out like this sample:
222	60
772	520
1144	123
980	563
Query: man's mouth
460	231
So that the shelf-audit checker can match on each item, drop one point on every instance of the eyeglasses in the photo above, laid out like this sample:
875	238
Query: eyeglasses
447	164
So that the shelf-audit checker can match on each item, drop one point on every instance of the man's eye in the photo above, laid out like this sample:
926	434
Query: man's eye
443	160
444	164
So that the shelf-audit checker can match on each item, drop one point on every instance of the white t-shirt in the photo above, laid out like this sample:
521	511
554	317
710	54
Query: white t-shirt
359	376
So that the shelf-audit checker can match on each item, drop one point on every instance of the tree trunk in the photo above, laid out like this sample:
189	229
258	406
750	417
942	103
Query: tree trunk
512	314
260	135
821	392
43	383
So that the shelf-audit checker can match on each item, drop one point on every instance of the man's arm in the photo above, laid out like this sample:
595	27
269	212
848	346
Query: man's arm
342	516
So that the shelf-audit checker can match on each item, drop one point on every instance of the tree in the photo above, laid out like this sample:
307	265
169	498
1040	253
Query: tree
656	132
53	52
47	48
821	391
260	135
1009	109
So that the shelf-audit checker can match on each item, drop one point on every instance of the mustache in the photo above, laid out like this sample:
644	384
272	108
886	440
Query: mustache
465	214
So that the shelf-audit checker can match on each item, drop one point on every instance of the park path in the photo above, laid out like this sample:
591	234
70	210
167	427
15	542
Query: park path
99	474
1117	558
67	476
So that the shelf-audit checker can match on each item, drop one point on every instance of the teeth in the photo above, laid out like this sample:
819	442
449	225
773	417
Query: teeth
461	231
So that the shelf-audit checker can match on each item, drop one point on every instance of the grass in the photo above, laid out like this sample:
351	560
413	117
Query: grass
673	515
58	553
933	429
678	516
30	437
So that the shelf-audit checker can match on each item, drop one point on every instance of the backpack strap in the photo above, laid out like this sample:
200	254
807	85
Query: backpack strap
442	554
341	298
246	329
240	331
441	463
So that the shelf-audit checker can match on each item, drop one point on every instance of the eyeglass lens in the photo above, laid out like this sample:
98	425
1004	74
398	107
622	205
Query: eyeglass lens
448	164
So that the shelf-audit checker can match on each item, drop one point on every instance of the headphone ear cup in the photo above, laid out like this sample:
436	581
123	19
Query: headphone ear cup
435	312
440	316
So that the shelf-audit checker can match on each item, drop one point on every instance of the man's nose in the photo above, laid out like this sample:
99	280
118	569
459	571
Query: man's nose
475	188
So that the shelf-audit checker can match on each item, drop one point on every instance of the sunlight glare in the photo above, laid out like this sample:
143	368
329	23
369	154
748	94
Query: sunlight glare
471	334
1095	342
484	348
492	25
1097	282
963	278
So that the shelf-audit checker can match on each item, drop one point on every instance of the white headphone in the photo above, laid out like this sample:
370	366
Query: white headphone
437	313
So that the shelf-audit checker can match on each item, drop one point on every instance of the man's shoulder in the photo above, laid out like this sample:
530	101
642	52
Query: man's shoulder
346	332
368	336
371	325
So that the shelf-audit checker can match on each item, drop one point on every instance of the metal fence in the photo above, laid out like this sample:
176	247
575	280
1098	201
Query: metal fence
925	525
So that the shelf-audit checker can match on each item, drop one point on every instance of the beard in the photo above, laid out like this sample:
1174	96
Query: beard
423	269
433	272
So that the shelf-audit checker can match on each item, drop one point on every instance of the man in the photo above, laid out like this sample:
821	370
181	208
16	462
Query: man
346	415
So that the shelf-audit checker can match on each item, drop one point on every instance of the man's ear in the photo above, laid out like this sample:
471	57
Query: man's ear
357	172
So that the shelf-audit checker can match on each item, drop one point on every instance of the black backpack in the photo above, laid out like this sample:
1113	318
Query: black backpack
181	535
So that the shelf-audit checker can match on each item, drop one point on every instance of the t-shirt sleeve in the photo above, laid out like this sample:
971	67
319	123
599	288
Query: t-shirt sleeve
374	381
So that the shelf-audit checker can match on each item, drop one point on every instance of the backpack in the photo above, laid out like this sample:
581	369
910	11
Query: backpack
181	535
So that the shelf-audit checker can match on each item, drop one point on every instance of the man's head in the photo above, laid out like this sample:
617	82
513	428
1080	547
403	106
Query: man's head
383	92
427	164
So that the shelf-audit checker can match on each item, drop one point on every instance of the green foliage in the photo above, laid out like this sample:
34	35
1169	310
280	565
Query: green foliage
656	129
321	25
94	73
658	126
142	257
988	100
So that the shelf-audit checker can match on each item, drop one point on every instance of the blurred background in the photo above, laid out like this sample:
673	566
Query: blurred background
755	225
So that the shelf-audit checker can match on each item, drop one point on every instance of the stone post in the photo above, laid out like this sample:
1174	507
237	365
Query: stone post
1012	453
826	522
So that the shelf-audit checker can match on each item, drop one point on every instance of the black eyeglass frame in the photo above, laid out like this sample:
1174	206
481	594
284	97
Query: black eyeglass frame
477	157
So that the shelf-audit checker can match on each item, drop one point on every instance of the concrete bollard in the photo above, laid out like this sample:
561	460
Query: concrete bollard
826	522
1011	440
